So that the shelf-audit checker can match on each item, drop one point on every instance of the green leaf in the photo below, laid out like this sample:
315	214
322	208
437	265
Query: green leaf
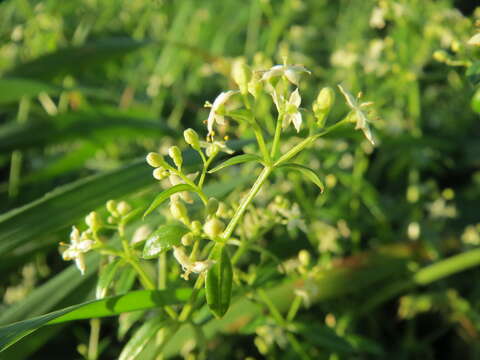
135	300
125	281
163	239
236	160
307	172
13	89
476	101
75	59
218	284
146	333
164	195
105	279
324	337
66	204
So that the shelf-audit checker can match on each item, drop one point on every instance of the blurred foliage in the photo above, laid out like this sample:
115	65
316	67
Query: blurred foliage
88	87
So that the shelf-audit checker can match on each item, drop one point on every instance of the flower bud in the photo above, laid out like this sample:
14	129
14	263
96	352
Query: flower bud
93	221
176	155
187	239
179	211
155	159
112	207
304	257
196	227
160	173
323	104
213	228
440	56
241	75
123	208
212	206
192	139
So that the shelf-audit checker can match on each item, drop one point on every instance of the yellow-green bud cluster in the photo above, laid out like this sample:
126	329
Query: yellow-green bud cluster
212	206
188	239
157	161
323	104
117	210
192	139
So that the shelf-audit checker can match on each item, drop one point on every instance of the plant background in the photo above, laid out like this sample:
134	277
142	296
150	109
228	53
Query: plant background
125	78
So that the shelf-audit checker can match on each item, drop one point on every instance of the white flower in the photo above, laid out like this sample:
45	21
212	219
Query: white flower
360	117
79	245
289	109
213	147
474	40
189	266
292	72
214	115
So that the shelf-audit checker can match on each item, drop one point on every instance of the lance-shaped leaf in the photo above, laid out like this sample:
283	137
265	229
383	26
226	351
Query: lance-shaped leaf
146	333
163	239
236	160
13	89
135	300
106	276
218	284
164	195
307	172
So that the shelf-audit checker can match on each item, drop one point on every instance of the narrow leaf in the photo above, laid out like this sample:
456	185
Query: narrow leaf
135	300
307	172
146	333
105	279
164	195
218	284
236	160
13	89
163	239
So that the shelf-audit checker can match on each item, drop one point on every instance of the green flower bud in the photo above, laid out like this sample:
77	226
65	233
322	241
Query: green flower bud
196	227
112	207
123	208
155	159
323	104
187	239
192	138
213	228
160	173
176	155
179	211
93	221
212	206
241	74
304	257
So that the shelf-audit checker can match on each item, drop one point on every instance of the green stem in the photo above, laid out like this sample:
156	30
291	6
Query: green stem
261	144
93	340
246	201
292	312
271	307
276	137
204	170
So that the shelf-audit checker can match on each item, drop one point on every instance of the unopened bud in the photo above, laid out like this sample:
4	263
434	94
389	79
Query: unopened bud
192	139
93	221
123	208
178	211
187	239
112	207
155	159
213	228
160	173
176	155
304	257
241	75
323	104
212	206
196	227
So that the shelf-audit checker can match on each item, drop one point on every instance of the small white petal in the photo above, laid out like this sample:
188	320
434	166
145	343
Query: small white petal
85	246
349	97
80	262
297	120
295	98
